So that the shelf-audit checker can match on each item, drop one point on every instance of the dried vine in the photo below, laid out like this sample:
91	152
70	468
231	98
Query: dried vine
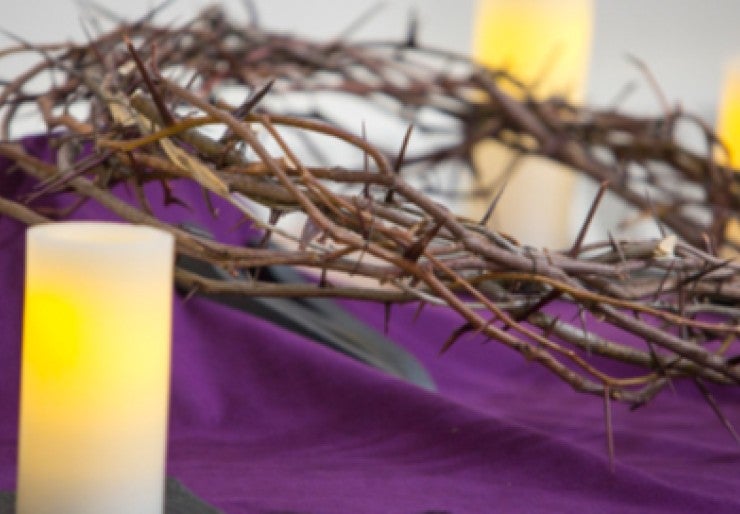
150	89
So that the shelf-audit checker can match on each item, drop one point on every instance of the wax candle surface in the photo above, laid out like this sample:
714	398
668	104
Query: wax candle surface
728	129
728	122
543	43
95	371
546	45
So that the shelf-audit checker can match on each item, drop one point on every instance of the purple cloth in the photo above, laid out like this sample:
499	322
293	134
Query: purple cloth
265	421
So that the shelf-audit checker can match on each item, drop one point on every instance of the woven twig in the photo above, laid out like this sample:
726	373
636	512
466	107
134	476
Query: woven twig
150	89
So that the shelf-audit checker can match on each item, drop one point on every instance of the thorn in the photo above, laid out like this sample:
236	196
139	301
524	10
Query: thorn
399	160
275	215
663	281
716	408
169	196
191	292
414	251
649	392
488	323
91	40
156	97
367	233
138	189
412	29
489	212
364	230
589	219
695	277
212	209
308	233
418	310
459	331
655	360
58	181
622	95
386	316
322	280
609	427
244	110
640	64
358	22
365	163
708	243
545	300
617	248
365	157
507	174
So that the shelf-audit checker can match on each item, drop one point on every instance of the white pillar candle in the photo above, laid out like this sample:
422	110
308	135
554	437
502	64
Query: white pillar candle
728	129
546	45
96	368
728	115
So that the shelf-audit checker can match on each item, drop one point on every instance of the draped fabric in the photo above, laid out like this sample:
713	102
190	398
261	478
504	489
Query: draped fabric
266	421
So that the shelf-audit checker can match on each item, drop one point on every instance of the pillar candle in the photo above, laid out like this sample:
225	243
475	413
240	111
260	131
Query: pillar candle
95	369
728	119
546	45
728	130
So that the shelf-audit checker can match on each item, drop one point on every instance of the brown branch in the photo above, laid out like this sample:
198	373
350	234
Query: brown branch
372	223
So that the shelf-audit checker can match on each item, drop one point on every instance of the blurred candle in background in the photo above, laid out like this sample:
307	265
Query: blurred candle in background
95	371
545	44
728	128
728	119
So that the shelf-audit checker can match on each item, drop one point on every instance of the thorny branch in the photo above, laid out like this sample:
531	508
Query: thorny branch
150	90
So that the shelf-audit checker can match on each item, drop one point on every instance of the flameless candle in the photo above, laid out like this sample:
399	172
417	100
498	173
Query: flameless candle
728	122
95	371
728	128
545	44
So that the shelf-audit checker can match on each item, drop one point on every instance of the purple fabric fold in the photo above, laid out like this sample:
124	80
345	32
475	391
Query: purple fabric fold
263	420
